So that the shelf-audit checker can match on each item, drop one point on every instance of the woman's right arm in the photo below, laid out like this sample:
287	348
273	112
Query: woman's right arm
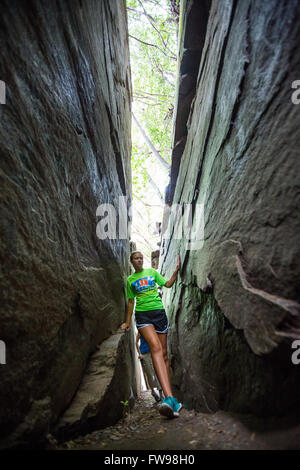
126	326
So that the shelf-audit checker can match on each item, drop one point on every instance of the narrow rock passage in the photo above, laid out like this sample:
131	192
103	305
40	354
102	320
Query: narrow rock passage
145	429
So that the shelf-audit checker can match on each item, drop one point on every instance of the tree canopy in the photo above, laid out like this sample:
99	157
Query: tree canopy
153	27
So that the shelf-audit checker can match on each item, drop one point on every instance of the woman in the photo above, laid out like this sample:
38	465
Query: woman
152	323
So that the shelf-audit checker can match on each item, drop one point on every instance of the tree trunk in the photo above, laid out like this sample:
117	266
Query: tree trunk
150	145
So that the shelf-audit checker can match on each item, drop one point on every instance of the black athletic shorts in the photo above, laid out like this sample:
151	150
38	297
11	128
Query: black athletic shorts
157	318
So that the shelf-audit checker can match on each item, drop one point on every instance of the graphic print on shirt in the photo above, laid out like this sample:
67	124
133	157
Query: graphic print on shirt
143	284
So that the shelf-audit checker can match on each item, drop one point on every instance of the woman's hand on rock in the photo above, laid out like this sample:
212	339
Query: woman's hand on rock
125	327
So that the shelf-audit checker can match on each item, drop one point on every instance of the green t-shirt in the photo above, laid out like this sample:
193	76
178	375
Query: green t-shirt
142	286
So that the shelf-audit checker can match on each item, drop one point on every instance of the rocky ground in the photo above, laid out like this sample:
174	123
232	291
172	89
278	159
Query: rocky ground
145	429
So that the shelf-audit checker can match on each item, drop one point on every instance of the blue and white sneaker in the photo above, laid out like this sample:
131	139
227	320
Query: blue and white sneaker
167	408
176	405
170	407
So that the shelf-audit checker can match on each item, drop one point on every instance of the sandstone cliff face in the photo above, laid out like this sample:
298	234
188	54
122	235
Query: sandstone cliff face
241	162
65	149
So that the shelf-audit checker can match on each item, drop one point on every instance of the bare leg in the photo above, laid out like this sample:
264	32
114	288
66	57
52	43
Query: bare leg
163	341
154	343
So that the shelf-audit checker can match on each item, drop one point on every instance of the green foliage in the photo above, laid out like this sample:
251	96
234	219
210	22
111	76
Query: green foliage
125	408
153	50
153	74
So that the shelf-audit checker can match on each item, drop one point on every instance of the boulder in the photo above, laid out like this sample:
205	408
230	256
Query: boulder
234	310
99	400
65	133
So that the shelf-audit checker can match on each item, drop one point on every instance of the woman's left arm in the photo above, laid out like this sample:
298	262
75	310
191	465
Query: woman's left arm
172	279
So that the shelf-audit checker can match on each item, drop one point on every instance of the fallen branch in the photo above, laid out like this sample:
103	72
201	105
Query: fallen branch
150	145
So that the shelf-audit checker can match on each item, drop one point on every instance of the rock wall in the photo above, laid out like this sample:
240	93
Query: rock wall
65	149
192	32
237	293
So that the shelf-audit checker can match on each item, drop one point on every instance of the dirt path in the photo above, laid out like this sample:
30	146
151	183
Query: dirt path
145	429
